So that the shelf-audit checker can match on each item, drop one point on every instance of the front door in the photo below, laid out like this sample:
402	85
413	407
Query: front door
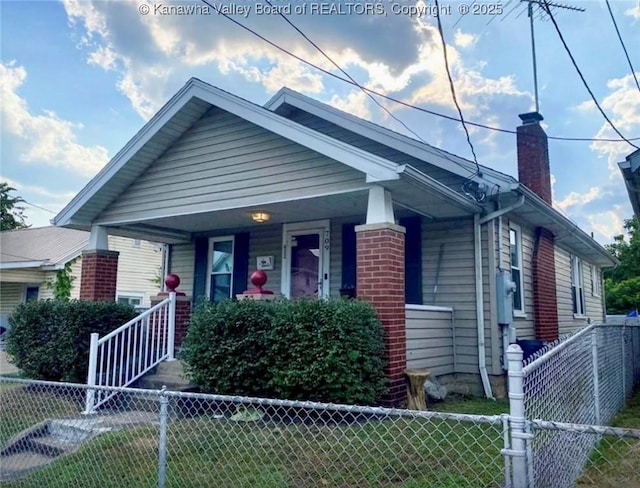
306	260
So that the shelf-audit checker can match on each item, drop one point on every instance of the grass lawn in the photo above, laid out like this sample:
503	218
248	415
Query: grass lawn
22	407
616	462
205	451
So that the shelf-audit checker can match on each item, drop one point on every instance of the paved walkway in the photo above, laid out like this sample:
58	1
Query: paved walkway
5	365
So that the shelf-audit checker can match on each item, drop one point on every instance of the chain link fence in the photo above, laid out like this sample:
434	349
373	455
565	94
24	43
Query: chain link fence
160	438
571	388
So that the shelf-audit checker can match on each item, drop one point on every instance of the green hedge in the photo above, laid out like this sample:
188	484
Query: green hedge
49	339
322	350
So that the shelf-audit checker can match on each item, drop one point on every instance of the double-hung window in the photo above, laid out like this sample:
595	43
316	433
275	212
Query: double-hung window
220	266
577	286
515	248
596	284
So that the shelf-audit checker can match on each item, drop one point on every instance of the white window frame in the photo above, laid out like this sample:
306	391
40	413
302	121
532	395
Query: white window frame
520	284
31	285
212	241
131	294
324	228
577	281
596	283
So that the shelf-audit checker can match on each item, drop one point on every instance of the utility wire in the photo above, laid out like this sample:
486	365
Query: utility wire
624	48
586	85
38	206
453	89
288	21
395	100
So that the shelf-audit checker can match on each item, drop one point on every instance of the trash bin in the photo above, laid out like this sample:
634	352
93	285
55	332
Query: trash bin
529	347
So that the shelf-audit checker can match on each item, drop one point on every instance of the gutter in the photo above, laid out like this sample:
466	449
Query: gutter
477	247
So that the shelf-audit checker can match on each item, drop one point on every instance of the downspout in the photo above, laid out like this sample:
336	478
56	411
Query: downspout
482	358
482	355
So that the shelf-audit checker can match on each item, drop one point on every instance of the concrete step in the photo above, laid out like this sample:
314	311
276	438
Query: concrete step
168	373
72	430
50	445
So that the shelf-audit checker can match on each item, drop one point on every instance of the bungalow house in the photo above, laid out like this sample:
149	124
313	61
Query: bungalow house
458	260
30	258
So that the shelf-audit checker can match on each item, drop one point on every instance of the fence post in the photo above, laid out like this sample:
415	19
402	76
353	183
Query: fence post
91	374
162	443
516	411
624	369
172	326
596	379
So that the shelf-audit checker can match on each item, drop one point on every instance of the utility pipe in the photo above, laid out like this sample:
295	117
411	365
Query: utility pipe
482	355
482	358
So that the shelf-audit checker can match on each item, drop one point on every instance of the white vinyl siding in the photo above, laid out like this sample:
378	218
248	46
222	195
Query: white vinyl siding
226	162
430	340
181	263
139	268
21	276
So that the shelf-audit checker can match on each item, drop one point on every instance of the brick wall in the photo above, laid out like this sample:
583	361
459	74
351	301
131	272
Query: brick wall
183	314
545	303
380	281
99	275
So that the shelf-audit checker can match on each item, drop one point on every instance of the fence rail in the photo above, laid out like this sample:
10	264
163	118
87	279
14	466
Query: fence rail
133	349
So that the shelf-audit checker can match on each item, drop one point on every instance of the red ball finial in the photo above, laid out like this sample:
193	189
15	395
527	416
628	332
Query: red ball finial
172	281
258	278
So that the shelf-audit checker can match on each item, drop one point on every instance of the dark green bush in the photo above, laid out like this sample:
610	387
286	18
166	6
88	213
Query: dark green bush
49	339
323	350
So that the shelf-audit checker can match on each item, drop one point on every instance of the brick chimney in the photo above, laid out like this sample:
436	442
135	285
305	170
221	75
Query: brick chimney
533	156
533	172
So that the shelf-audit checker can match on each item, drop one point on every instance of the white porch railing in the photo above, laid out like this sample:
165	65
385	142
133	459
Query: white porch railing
130	351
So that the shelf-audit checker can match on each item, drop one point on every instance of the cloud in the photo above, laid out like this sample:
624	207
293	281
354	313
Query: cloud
462	39
575	198
634	12
44	138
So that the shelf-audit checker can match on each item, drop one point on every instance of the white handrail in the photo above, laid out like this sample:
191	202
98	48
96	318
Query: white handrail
127	353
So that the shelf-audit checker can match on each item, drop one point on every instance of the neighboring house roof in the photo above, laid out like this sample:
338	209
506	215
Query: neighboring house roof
631	174
48	247
191	102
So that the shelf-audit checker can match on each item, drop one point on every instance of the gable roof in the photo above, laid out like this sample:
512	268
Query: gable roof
177	116
286	99
40	247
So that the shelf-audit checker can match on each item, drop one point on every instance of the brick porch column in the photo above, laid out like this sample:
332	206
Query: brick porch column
183	307
380	281
99	275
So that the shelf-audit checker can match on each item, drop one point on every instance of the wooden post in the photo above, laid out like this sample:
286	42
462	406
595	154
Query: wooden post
415	388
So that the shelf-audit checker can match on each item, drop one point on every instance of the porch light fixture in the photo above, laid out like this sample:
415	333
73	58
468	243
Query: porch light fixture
260	216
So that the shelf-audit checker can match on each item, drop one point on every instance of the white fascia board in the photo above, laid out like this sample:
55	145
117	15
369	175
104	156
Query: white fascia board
22	264
65	216
400	142
379	168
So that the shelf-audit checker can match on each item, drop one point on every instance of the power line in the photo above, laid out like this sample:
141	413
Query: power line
624	48
395	100
453	89
288	21
575	65
41	208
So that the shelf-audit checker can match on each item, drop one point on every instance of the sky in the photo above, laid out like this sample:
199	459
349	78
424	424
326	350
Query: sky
79	78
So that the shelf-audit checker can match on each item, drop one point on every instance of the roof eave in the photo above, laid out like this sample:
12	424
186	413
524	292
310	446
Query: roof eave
606	259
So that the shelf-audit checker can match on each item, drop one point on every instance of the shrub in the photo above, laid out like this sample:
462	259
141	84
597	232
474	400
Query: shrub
49	339
323	350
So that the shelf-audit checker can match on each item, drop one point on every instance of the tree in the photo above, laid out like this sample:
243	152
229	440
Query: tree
622	284
11	213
